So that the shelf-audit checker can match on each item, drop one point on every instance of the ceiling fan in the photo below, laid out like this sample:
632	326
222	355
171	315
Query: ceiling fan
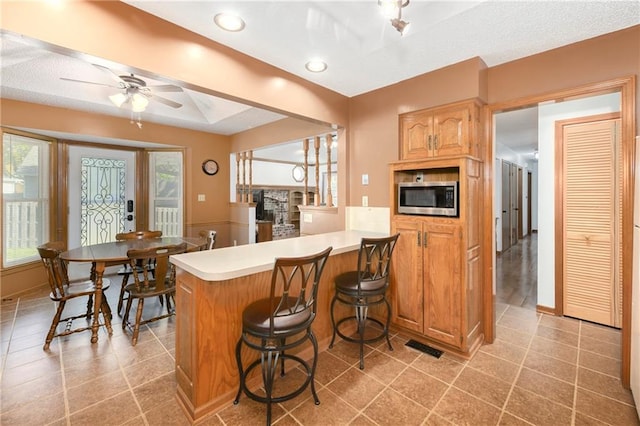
133	91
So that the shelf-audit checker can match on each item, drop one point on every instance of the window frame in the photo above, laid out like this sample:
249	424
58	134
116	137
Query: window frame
51	198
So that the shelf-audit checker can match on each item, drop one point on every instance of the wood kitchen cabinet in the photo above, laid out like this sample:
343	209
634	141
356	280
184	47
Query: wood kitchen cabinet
444	131
428	297
436	272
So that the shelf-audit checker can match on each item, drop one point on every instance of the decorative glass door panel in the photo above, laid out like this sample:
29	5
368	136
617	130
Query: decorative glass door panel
101	194
102	199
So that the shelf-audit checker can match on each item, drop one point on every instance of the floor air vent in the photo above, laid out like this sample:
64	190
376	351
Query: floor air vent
424	348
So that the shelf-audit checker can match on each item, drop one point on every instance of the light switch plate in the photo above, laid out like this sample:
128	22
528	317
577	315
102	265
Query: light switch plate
365	179
201	197
365	201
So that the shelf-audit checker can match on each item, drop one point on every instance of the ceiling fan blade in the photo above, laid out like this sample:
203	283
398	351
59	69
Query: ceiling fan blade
167	102
112	75
89	82
165	88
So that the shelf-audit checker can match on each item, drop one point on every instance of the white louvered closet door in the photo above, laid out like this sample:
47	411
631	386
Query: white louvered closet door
592	213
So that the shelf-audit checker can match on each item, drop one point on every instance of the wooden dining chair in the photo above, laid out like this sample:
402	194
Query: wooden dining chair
160	283
210	236
126	270
63	290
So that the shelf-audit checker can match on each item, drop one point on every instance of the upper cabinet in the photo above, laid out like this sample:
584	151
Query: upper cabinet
443	131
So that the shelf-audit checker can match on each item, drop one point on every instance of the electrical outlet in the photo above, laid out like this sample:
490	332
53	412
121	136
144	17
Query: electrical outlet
201	197
365	201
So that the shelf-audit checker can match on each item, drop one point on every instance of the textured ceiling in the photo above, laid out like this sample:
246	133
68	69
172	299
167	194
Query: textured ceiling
362	49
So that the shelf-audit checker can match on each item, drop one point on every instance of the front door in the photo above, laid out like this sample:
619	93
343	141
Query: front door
101	194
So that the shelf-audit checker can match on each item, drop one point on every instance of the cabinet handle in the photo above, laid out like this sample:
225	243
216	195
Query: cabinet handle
419	239
429	142
435	142
424	240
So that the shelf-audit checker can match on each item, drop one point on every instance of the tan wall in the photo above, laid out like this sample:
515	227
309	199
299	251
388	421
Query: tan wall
373	122
599	59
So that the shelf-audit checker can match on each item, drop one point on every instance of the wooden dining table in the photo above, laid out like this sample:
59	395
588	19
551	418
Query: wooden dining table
115	253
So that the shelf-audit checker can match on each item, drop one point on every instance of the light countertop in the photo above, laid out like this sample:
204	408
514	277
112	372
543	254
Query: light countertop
233	262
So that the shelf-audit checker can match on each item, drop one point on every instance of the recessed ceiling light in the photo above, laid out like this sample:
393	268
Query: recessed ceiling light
229	22
316	65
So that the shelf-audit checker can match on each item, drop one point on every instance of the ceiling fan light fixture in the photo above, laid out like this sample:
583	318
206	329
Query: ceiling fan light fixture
118	99
229	22
139	102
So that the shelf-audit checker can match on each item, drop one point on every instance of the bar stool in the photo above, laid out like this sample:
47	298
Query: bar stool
364	288
288	312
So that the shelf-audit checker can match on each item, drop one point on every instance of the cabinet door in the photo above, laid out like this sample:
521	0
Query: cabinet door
416	136
406	276
451	132
442	299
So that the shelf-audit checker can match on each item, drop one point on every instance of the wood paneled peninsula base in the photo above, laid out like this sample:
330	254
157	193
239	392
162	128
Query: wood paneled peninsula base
214	286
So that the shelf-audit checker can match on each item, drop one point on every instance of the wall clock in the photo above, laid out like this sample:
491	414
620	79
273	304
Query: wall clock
210	167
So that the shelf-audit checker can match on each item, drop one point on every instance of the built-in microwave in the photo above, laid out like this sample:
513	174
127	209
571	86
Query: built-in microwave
428	198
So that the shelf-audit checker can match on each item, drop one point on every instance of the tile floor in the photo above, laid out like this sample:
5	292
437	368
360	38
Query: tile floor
541	370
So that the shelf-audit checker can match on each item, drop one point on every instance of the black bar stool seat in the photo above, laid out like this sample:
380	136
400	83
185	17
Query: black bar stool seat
364	288
282	322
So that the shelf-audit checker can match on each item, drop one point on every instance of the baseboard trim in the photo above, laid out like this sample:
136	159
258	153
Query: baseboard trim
546	310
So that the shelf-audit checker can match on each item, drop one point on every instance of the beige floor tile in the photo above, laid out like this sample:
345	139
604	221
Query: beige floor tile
249	412
26	393
442	368
382	367
462	408
537	409
42	411
30	371
493	366
362	420
149	369
520	312
95	391
601	333
599	363
561	323
419	387
604	385
331	411
554	349
400	352
511	420
347	351
506	351
405	411
115	410
356	387
557	335
329	367
600	347
483	386
605	409
156	391
551	366
513	337
546	386
77	373
528	325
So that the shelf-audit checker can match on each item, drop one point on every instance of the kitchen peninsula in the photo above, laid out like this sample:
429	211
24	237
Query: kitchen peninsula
212	289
